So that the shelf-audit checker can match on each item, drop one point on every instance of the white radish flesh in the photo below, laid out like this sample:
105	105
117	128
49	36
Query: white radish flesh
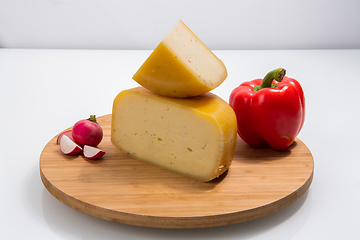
92	152
69	147
67	133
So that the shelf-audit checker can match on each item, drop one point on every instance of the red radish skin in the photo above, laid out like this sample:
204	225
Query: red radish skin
69	147
87	132
67	133
92	152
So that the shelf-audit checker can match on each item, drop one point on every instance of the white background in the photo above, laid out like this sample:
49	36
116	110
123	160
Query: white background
141	24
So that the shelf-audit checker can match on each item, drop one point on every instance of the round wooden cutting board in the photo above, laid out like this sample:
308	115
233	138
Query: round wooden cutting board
117	188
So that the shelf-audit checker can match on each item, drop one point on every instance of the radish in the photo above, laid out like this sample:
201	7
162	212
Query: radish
69	147
92	152
67	133
87	132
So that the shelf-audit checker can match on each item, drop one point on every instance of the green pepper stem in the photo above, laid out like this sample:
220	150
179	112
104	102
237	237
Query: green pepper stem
277	74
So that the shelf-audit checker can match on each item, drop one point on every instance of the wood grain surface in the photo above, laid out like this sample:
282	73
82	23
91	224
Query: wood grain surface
117	188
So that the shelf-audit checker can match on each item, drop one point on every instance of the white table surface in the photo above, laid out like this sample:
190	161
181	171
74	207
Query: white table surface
46	91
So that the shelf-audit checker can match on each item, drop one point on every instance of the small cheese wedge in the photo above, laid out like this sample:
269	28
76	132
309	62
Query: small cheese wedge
195	137
181	66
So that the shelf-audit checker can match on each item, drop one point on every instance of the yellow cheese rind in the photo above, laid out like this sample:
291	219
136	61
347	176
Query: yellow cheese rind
181	66
195	137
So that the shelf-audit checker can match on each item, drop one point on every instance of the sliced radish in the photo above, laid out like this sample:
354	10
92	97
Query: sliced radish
92	152
67	133
68	146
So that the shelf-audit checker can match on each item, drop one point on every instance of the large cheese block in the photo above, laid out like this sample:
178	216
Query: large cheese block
195	137
181	66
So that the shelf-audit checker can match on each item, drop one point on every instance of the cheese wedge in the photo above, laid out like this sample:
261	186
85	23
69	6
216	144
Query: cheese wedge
195	137
181	66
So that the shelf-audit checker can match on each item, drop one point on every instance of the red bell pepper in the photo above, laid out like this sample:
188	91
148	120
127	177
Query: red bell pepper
269	110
